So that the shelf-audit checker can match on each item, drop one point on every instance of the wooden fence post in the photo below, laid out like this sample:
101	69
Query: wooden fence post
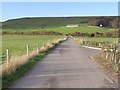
106	54
99	44
112	56
27	48
118	53
37	48
7	53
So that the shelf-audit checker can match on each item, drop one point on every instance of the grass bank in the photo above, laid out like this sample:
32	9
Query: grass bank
17	43
109	56
110	67
100	39
66	30
8	79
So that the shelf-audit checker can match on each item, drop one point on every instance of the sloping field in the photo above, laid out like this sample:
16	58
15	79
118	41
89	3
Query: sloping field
86	29
17	43
66	30
52	24
112	40
33	23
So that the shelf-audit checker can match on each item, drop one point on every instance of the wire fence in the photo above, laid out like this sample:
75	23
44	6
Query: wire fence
13	62
109	50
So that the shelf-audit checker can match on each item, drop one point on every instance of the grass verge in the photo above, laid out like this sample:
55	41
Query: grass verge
7	80
110	68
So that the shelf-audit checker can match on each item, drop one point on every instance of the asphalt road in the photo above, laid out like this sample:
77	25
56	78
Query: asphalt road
68	66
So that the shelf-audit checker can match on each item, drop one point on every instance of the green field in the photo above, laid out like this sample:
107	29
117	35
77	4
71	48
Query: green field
17	43
86	29
43	22
57	24
67	30
112	40
17	46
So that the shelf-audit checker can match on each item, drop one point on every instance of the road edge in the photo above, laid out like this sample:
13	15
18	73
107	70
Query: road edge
105	71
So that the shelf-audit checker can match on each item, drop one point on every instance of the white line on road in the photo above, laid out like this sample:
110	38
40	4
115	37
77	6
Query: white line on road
92	47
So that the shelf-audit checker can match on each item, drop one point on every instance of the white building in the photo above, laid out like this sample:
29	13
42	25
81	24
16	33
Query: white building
73	25
101	25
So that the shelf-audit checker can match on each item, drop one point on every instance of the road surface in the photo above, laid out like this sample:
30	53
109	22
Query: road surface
68	66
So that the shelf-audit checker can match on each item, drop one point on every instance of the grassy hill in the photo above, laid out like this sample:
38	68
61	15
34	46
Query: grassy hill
23	23
57	24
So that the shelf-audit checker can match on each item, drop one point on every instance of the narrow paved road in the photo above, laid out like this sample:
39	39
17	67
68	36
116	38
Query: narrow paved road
68	66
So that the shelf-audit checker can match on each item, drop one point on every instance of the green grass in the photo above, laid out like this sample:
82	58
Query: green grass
52	24
96	40
88	29
41	22
7	80
112	40
17	43
67	30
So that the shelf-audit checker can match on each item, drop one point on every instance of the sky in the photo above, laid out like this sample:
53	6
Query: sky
60	0
12	10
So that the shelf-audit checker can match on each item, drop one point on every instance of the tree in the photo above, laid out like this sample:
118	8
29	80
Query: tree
93	21
115	23
103	21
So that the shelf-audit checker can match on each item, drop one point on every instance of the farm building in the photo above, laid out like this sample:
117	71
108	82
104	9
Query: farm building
73	25
101	25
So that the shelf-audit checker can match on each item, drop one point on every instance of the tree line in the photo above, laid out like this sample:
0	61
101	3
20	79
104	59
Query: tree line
110	21
113	34
32	33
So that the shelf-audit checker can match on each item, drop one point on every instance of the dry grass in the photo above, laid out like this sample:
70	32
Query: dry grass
108	58
109	67
78	40
17	61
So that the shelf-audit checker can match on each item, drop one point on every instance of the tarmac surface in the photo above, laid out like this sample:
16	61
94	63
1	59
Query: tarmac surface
68	66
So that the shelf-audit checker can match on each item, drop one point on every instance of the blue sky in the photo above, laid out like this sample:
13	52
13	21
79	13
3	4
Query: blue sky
11	10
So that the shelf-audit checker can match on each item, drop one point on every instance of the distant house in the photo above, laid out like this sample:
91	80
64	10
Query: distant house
101	25
73	25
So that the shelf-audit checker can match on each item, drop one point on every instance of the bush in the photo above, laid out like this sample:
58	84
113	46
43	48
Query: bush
32	33
96	34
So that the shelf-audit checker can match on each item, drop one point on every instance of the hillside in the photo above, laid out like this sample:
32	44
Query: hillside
57	24
43	22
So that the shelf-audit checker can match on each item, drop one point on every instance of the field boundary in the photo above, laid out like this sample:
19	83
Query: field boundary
10	78
107	59
92	47
106	71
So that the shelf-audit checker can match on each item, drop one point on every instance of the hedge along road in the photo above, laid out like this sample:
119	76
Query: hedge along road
68	66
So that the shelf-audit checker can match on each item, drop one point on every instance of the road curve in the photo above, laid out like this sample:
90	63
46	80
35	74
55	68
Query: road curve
68	66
